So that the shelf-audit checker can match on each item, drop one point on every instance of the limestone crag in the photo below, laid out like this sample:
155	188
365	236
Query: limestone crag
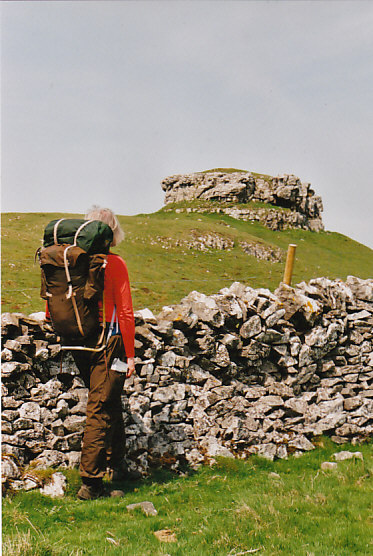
297	205
197	241
239	372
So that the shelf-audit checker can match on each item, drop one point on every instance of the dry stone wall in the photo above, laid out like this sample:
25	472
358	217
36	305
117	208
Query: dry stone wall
301	208
240	372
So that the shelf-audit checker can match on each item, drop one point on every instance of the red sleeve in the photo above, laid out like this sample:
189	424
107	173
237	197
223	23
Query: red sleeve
123	301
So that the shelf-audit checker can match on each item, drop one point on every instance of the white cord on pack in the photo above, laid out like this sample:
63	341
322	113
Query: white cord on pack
79	230
68	276
65	259
55	230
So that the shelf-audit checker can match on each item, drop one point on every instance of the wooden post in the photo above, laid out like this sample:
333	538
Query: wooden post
289	264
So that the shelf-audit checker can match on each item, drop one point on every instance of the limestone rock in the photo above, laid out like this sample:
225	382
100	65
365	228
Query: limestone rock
251	327
345	455
9	468
350	404
56	487
256	249
146	315
221	356
39	317
362	289
301	443
30	410
241	187
328	465
171	393
267	451
6	355
147	508
49	458
214	448
30	482
11	368
205	308
296	406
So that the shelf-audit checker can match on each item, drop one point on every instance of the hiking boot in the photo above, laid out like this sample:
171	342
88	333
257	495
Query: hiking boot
123	474
90	492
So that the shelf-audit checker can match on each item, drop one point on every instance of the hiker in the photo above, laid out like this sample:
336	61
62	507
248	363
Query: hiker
104	436
105	371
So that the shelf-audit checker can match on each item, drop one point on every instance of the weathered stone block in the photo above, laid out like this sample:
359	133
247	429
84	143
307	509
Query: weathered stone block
30	410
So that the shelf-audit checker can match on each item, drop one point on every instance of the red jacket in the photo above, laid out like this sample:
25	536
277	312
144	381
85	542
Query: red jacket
117	292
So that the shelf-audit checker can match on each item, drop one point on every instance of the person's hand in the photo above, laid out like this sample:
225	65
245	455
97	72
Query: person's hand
131	366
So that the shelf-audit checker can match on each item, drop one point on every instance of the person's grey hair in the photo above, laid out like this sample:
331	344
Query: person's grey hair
107	215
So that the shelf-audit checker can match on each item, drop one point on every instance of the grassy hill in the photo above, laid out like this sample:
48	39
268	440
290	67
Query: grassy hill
162	266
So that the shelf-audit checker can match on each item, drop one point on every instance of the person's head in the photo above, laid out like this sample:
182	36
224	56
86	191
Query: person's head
106	215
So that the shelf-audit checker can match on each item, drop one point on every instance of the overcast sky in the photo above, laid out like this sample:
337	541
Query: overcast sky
101	100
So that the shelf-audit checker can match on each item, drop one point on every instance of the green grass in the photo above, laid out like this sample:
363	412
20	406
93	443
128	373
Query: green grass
163	276
265	177
211	205
223	170
284	507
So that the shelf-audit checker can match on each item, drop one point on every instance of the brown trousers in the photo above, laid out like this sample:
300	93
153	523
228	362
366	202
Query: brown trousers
104	437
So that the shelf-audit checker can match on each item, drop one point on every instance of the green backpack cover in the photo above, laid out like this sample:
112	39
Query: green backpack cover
94	236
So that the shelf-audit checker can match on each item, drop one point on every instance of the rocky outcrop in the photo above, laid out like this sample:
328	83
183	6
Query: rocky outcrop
198	241
296	204
240	372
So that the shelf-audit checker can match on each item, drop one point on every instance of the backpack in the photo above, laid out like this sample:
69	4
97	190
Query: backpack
72	261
